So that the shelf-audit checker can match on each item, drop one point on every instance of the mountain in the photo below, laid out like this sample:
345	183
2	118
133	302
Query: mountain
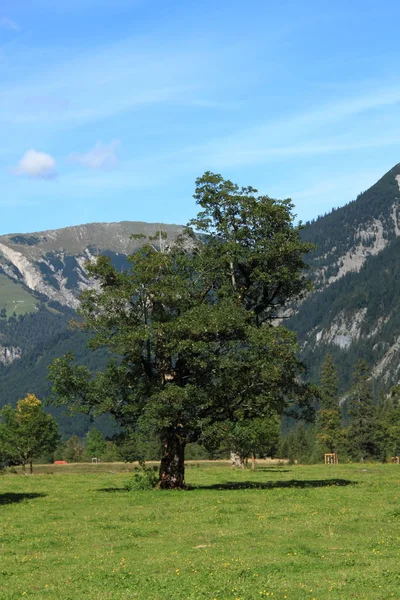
50	265
42	275
353	311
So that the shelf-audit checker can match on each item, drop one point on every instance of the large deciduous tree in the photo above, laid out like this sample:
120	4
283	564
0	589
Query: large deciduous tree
27	432
189	325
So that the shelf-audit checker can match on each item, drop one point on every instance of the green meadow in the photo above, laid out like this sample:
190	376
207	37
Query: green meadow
15	298
281	532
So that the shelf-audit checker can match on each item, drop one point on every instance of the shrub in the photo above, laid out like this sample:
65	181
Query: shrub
143	478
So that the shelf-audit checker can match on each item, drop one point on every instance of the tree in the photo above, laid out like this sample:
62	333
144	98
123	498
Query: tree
27	432
254	438
188	326
111	452
95	443
298	444
329	432
362	425
388	426
74	449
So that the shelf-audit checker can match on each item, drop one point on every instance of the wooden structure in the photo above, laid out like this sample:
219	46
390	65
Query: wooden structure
331	459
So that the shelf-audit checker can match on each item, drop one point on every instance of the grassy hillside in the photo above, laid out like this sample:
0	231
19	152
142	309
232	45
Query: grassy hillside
15	298
290	532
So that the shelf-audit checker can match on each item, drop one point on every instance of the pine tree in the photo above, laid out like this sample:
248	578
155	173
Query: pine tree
95	443
329	432
362	429
388	430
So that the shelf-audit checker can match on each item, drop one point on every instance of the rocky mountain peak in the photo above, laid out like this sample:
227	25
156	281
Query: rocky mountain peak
52	262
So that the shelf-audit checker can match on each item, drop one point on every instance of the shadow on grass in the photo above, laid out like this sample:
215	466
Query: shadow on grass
274	469
12	498
258	485
271	485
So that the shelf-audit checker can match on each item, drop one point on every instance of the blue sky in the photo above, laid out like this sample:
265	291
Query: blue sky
110	109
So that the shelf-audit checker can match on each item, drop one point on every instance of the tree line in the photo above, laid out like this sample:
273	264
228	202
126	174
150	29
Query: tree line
357	426
356	429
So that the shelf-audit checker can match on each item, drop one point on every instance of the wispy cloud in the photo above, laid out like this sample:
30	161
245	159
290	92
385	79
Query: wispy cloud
7	23
307	133
108	82
37	165
101	156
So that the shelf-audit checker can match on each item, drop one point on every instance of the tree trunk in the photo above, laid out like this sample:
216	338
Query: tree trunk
172	467
253	462
30	467
23	468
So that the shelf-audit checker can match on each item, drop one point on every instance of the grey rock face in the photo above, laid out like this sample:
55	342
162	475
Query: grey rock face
52	263
8	354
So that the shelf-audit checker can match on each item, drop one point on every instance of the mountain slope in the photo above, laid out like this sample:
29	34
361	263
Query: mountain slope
51	264
353	311
41	277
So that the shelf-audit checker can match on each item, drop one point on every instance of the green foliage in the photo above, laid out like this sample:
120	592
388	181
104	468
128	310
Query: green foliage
143	478
136	446
95	443
111	452
256	437
388	427
329	384
27	432
299	445
74	450
189	325
362	428
329	432
252	245
42	336
373	290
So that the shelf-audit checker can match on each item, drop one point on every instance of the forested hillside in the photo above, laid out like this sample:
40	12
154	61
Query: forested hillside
41	337
41	278
352	313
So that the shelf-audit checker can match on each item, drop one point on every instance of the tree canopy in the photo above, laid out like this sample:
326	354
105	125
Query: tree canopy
188	326
27	432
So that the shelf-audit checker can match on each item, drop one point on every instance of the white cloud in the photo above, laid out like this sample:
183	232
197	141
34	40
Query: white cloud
6	23
101	156
36	164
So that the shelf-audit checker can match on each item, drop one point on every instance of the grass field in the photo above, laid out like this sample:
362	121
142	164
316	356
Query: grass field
15	298
288	532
